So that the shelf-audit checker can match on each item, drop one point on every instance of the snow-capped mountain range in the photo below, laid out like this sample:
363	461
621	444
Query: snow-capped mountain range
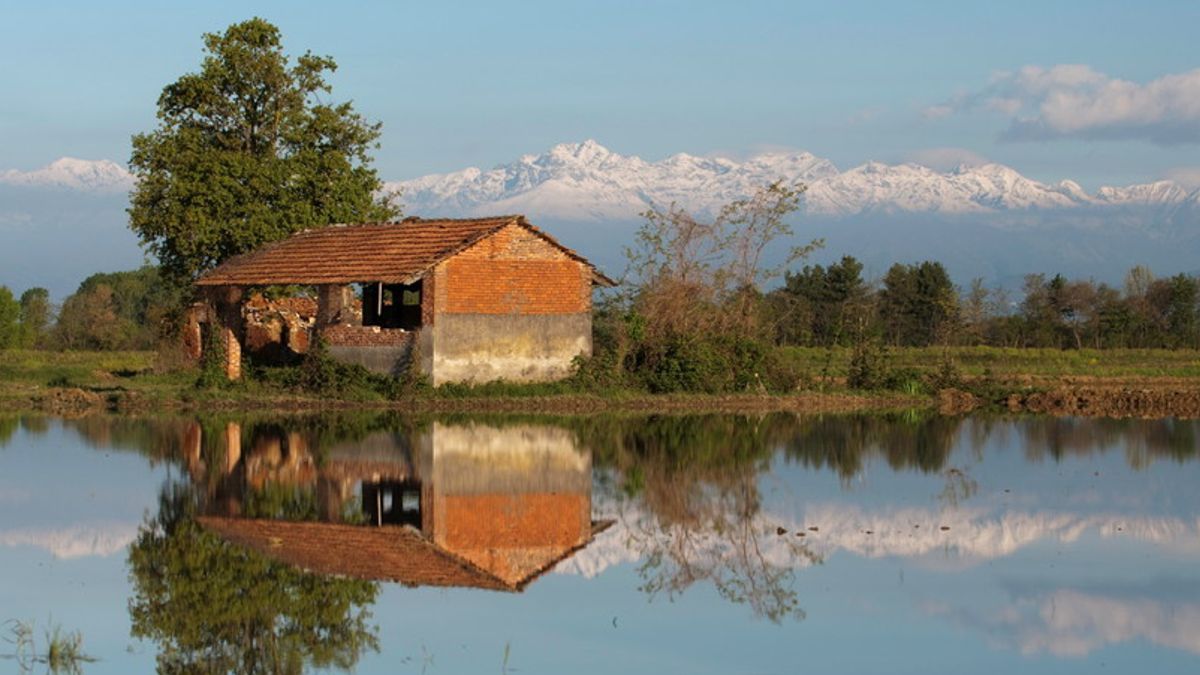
586	181
984	221
76	174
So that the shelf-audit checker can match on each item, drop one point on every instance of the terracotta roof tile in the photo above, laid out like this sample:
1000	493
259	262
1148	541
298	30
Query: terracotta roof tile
388	553
387	252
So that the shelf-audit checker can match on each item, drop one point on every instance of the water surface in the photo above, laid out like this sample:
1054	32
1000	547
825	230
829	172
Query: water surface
702	544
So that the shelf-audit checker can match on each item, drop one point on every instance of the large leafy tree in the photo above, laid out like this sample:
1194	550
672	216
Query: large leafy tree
10	315
214	607
117	310
35	316
246	152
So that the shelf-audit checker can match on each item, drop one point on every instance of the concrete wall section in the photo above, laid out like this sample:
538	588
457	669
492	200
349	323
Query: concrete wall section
518	348
387	360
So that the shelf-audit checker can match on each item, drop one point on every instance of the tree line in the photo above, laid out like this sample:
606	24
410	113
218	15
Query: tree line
917	305
130	310
912	305
702	311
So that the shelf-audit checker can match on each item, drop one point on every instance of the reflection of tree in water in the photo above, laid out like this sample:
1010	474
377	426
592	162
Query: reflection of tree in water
719	540
8	427
216	607
1141	440
843	443
959	487
696	478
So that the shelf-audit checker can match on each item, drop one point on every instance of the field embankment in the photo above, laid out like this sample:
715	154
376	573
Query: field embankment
1110	383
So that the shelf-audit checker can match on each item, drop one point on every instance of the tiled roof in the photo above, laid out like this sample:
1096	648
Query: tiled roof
388	553
387	252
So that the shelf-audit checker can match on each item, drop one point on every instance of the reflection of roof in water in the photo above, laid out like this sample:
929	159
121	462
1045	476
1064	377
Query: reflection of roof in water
389	553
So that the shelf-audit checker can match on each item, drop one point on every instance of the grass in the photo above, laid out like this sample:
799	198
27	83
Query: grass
63	650
26	375
1014	363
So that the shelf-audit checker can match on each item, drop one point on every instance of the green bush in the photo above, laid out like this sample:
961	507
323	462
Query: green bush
869	366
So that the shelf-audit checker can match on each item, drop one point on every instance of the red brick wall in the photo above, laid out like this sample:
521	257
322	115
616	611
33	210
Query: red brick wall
513	272
508	521
365	336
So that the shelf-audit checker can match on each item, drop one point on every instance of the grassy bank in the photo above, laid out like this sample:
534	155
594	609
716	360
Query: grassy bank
140	381
1016	363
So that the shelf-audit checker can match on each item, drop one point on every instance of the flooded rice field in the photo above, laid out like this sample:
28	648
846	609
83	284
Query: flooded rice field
626	544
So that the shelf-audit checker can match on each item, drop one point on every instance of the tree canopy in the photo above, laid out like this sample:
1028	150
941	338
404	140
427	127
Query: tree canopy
10	314
117	310
246	152
214	607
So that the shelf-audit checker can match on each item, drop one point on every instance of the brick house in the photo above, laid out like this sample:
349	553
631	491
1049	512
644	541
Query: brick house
464	505
469	299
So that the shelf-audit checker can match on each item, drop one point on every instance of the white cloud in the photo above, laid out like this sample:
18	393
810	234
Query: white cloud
944	159
75	541
1075	101
1073	623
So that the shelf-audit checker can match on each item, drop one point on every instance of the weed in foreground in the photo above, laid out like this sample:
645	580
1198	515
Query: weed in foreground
63	650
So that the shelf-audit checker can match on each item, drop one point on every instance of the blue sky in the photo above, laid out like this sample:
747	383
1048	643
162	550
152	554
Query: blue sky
460	83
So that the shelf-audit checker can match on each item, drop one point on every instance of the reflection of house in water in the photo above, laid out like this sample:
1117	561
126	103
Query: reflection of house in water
452	505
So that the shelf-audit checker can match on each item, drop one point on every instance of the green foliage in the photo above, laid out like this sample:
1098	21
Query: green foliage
320	374
696	320
918	305
247	152
947	375
35	317
63	651
869	367
119	311
212	360
214	607
10	316
822	306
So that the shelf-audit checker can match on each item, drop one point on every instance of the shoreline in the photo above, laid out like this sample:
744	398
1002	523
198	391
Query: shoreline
1146	399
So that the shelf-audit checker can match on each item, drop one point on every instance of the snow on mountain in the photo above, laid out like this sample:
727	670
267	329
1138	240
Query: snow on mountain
975	535
1163	192
586	181
100	175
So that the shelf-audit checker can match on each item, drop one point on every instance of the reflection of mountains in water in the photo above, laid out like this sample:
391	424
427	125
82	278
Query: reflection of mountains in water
973	535
451	505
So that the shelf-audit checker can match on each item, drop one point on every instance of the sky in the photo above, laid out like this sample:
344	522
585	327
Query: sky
1099	92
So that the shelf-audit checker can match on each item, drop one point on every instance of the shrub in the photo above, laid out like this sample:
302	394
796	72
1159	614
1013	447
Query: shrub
869	366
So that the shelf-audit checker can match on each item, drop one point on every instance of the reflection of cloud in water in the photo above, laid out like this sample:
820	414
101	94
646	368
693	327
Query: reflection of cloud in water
974	535
1075	623
76	541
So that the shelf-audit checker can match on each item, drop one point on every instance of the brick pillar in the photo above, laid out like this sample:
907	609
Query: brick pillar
233	446
331	300
193	437
227	301
233	353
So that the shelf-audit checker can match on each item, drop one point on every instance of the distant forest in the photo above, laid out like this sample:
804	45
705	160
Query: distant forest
816	306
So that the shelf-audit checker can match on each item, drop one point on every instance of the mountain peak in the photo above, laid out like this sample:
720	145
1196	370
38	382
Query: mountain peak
587	181
586	152
100	175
